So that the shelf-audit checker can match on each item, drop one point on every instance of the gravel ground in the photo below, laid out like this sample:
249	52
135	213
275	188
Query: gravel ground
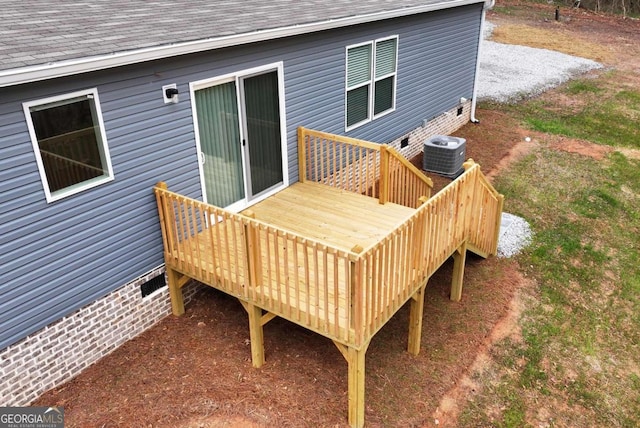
509	73
515	234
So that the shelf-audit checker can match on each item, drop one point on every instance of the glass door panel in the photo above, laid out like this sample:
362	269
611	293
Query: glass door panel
219	132
262	131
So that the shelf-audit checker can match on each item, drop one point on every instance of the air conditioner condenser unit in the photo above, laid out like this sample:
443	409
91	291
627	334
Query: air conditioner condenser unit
444	155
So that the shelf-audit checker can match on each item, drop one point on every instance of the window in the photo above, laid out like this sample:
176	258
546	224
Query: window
69	142
371	80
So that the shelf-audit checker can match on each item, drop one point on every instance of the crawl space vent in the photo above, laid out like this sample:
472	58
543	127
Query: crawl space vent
152	285
444	155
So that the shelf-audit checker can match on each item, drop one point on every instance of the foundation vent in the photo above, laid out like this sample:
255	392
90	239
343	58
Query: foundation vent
152	285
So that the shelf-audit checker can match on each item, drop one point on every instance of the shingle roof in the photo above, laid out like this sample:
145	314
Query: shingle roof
39	32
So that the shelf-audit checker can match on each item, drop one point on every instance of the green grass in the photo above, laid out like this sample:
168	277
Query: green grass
582	86
609	116
578	356
596	203
532	373
514	414
584	257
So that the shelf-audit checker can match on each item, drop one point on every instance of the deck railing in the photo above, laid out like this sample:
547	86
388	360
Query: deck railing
464	214
344	295
375	170
486	216
284	273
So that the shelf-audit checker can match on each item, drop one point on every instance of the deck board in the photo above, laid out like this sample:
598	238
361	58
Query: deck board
333	216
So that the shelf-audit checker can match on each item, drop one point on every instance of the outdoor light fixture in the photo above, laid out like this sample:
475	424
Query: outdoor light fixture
170	93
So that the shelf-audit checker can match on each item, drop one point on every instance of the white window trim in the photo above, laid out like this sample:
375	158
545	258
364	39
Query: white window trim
376	79
80	187
371	82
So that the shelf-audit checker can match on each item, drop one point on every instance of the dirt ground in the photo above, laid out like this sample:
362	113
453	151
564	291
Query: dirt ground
195	370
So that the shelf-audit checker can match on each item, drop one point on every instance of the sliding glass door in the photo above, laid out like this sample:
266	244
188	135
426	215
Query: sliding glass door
239	127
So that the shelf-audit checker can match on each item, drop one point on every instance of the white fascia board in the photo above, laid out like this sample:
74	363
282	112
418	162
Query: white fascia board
35	73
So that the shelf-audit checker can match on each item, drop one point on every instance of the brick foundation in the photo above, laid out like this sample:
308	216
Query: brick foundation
62	350
445	124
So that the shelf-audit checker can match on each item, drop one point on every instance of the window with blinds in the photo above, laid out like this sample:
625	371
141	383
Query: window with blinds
371	80
68	137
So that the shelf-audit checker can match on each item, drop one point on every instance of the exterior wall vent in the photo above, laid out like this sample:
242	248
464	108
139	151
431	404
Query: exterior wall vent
155	283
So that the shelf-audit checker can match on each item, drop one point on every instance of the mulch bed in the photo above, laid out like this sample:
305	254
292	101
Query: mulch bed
195	370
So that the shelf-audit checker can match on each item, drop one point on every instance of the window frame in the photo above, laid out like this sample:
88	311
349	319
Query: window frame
91	94
371	82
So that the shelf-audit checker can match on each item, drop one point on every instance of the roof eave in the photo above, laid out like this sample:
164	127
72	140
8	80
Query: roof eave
17	76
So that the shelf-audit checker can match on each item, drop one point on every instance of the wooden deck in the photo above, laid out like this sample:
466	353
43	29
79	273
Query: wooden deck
338	253
329	215
284	281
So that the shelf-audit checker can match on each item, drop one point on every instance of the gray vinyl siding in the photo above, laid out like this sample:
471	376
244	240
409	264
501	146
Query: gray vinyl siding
57	257
436	67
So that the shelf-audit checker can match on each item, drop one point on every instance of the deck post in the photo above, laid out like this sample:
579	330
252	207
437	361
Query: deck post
302	155
356	365
384	175
416	311
356	362
496	236
459	258
161	185
252	249
175	292
256	335
355	294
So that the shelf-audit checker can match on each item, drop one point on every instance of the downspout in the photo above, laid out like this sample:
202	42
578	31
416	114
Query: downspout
476	78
